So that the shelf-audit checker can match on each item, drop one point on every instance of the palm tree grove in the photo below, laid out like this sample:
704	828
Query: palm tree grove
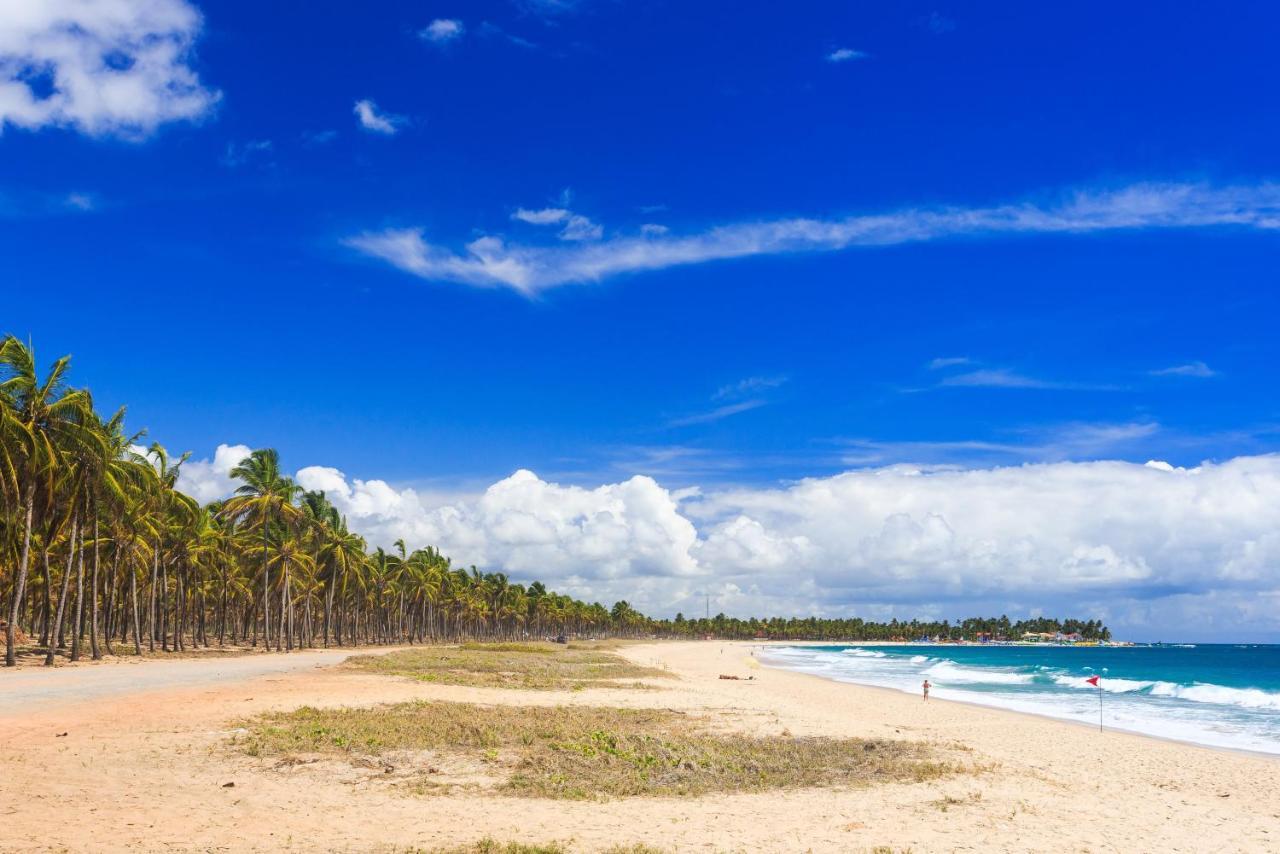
103	554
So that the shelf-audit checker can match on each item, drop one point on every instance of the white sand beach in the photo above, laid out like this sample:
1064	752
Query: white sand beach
136	759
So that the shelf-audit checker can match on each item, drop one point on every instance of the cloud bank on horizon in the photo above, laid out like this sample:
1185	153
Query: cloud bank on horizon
1149	547
490	261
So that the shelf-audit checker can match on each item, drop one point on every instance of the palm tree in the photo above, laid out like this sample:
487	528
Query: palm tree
44	421
264	500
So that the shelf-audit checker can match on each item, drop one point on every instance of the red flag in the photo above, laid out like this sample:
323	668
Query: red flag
1092	680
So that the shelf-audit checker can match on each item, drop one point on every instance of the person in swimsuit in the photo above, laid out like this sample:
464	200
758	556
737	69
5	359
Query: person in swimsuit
926	686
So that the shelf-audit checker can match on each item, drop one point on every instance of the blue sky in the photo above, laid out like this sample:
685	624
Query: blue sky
723	245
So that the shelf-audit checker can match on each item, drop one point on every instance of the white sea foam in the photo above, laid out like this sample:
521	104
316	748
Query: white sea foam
1201	692
948	671
1204	713
864	653
1114	686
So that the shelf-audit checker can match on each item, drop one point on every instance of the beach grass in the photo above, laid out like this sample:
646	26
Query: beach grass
539	666
582	752
490	846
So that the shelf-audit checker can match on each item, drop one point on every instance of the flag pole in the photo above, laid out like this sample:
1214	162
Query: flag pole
1099	705
1100	675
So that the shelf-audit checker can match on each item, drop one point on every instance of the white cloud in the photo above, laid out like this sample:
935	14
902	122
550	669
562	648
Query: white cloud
80	201
845	54
1073	441
716	414
490	262
1143	546
526	526
997	378
576	227
208	480
376	122
653	229
543	216
442	31
117	68
750	385
1191	369
948	362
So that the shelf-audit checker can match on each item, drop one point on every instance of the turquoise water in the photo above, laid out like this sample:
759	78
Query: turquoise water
1220	695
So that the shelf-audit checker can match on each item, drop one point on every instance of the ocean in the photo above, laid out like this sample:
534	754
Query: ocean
1219	695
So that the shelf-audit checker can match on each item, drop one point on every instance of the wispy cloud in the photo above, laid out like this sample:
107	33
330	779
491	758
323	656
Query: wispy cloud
489	261
1005	378
318	137
80	201
442	31
948	362
845	54
1191	369
1071	441
372	120
750	385
716	414
575	226
238	154
493	31
997	378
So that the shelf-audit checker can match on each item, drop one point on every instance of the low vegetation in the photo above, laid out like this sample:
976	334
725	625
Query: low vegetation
489	846
583	752
543	666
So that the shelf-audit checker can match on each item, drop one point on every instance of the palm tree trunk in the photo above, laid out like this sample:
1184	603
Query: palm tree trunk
79	618
11	627
137	619
109	628
55	631
151	604
266	601
95	652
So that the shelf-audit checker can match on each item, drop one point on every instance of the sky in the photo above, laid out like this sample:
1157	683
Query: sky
908	309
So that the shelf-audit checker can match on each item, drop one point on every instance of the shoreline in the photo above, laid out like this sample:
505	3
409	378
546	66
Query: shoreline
978	699
990	707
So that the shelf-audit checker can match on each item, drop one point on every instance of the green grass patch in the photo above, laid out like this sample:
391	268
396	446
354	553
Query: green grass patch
541	666
582	752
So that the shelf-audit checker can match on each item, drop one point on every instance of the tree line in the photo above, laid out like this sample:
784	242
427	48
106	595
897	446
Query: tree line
100	552
855	629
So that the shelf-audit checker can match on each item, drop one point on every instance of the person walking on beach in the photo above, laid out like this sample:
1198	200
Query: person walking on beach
926	686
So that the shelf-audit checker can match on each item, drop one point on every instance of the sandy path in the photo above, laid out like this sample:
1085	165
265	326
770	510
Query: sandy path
35	690
145	771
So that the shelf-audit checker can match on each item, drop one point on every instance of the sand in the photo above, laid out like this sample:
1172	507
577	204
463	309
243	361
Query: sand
143	763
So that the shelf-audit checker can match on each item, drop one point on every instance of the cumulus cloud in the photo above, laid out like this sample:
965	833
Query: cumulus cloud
208	480
1141	545
117	68
528	526
369	117
442	31
489	261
